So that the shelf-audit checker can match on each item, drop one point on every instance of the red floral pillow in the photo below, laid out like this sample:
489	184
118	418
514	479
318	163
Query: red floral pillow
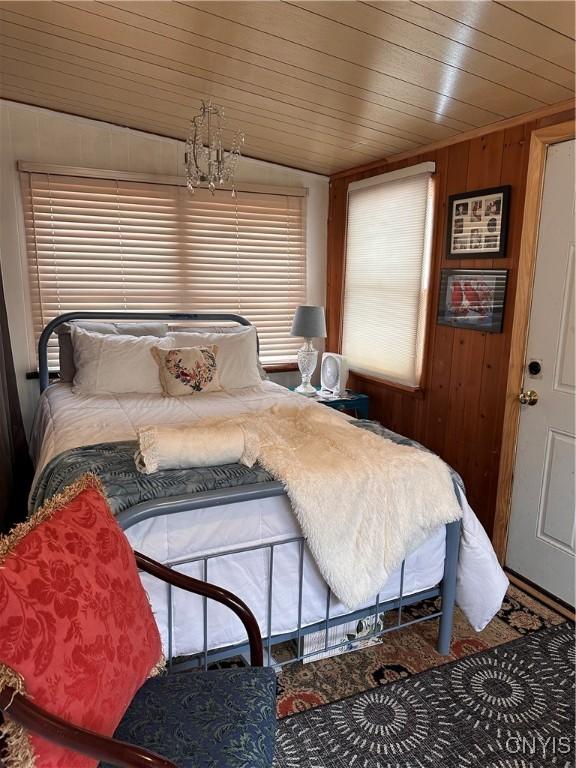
77	633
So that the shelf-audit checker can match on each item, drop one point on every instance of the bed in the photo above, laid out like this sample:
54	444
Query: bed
246	537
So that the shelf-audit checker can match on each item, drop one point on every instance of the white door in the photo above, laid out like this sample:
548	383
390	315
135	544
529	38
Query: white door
541	536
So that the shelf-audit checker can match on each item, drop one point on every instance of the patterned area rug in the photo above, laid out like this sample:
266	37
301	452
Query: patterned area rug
401	654
509	707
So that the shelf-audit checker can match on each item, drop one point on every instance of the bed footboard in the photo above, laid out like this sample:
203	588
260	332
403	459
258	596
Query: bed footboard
372	614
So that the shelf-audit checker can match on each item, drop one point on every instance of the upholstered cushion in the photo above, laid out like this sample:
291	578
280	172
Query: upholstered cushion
77	633
223	719
187	371
66	352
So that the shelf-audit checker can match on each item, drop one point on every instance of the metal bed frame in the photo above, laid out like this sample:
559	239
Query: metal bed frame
446	589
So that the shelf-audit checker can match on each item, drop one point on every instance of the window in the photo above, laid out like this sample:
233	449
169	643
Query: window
101	243
388	248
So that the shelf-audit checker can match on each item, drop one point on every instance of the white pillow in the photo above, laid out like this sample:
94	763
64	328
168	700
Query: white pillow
115	365
236	358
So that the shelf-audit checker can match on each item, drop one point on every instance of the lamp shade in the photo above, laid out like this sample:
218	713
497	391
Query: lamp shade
309	323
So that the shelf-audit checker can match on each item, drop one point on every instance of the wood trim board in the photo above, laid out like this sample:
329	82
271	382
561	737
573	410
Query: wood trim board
542	597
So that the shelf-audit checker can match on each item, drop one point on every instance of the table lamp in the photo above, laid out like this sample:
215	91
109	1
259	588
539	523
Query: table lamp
309	323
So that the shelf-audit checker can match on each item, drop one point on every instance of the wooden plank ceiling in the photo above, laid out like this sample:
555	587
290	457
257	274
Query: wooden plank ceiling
316	85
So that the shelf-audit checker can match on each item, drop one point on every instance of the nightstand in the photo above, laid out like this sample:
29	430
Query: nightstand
354	402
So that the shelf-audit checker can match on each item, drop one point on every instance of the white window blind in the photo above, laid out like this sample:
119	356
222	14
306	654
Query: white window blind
97	243
388	247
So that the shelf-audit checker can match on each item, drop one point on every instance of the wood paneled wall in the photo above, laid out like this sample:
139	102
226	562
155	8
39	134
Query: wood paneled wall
458	412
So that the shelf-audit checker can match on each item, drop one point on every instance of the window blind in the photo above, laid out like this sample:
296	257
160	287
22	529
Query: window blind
96	243
388	247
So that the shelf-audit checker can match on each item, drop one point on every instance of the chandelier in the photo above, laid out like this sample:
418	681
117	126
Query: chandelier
207	162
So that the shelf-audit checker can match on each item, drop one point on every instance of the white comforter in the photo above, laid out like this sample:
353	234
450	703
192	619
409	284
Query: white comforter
67	421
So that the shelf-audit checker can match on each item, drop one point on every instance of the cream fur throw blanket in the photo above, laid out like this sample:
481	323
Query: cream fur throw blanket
363	502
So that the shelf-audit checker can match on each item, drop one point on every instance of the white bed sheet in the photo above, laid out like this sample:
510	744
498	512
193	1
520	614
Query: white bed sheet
65	421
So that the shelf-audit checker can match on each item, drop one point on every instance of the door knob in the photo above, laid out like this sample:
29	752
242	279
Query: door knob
528	397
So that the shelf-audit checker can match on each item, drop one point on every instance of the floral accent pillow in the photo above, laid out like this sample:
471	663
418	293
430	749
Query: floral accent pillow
186	371
77	634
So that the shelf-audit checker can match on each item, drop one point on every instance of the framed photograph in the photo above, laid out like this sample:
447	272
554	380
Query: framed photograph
478	223
473	299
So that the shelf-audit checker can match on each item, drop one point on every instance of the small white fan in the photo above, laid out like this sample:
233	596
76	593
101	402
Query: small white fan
333	374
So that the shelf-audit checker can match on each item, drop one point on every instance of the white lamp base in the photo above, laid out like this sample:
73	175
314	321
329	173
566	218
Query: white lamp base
307	359
306	389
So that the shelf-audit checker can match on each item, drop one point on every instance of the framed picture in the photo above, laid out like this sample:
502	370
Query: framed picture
473	299
478	223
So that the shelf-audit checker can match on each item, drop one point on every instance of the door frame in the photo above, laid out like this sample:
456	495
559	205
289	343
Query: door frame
539	142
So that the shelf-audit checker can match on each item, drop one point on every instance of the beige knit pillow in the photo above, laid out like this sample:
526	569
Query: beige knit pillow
187	371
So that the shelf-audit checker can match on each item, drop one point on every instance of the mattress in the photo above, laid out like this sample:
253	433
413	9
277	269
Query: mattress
65	420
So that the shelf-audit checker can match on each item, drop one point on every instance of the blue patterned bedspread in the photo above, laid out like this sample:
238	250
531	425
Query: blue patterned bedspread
113	463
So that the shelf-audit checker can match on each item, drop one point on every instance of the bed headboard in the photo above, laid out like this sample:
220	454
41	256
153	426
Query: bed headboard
119	315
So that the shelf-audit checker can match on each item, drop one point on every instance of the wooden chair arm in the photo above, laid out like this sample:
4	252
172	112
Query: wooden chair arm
213	592
102	748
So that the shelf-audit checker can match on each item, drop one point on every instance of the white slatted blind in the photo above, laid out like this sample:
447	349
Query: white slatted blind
98	243
388	247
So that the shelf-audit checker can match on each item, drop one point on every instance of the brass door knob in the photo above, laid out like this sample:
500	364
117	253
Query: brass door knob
528	397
